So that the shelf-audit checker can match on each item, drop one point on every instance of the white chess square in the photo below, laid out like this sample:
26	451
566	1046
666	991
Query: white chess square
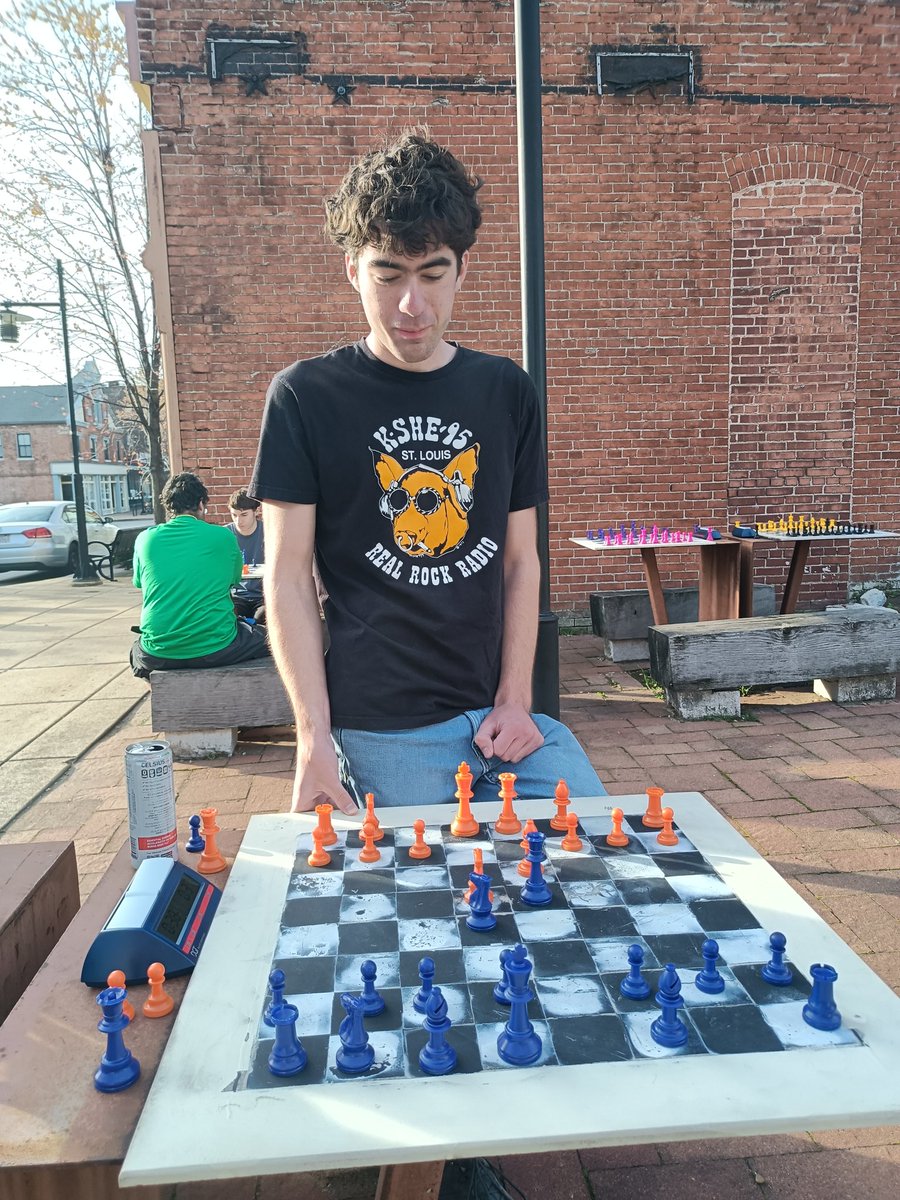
632	866
424	934
363	908
664	918
572	996
306	941
546	925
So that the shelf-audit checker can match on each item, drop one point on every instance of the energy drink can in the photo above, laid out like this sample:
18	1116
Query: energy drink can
150	779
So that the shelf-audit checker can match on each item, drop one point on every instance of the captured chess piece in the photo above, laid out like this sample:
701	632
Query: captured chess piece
667	835
370	816
118	1067
464	824
195	842
211	861
319	856
159	1003
419	848
653	818
116	979
507	822
616	837
370	852
562	803
323	812
572	842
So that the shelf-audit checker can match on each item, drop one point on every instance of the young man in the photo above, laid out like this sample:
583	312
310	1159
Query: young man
411	467
185	570
247	595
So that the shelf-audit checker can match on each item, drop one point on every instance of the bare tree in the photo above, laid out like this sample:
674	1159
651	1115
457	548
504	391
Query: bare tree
73	189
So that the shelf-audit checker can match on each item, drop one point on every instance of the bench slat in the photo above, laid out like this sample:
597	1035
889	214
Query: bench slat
248	695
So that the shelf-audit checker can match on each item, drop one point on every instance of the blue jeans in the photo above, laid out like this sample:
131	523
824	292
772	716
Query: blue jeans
417	766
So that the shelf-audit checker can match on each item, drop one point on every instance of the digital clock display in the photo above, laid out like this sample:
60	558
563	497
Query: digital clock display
178	909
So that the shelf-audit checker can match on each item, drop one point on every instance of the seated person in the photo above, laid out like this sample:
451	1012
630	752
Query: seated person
247	595
185	570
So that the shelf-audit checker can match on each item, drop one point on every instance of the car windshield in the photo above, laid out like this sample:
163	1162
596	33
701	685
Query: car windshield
26	512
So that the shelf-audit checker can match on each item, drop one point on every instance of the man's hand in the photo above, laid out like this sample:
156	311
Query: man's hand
317	781
508	732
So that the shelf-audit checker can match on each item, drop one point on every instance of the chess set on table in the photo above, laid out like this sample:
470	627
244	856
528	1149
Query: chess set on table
600	1076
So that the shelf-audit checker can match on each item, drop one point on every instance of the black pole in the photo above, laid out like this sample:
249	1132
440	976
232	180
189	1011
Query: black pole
85	571
545	681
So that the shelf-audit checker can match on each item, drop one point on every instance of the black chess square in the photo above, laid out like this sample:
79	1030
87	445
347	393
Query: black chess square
503	934
259	1075
510	851
306	974
604	850
364	883
437	857
411	905
486	1010
615	921
723	914
579	1040
390	1018
557	900
318	910
336	866
683	949
734	1029
459	875
560	958
688	863
612	981
449	967
574	868
762	992
463	1039
378	937
647	891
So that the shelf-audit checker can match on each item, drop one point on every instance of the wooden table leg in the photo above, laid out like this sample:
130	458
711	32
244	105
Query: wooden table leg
654	587
719	581
410	1181
745	604
795	576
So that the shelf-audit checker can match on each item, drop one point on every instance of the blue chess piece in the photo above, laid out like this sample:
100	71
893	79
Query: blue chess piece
355	1054
634	986
118	1067
501	989
437	1056
195	843
776	970
535	891
519	1044
288	1056
668	1029
481	915
709	980
373	1003
820	1010
276	983
426	974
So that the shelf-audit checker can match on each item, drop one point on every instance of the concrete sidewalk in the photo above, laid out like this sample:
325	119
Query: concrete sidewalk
814	786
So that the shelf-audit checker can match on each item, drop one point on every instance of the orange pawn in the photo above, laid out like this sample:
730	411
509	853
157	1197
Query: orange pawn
323	812
464	824
370	852
117	979
530	827
419	848
562	803
667	835
653	817
617	837
319	856
211	861
159	1003
478	868
370	816
507	822
572	841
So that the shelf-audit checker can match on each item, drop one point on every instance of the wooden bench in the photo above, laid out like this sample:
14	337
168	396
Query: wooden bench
852	654
200	712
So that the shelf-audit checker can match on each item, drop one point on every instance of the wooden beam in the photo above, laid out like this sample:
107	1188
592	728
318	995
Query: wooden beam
795	576
410	1181
654	587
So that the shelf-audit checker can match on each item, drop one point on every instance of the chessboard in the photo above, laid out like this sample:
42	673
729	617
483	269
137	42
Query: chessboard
751	1063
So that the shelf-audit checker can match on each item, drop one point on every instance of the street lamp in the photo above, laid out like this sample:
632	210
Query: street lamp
9	332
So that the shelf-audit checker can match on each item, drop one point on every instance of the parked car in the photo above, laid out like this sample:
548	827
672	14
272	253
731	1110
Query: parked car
43	535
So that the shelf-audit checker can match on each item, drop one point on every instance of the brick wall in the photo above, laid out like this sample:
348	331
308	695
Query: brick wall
721	314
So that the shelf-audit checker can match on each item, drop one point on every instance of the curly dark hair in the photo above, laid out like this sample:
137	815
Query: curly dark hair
183	493
409	198
241	499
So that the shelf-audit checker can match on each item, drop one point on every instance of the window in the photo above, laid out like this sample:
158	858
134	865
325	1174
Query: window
66	488
98	412
86	406
93	443
106	449
23	444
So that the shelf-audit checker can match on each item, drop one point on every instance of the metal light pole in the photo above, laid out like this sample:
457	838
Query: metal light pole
86	572
534	331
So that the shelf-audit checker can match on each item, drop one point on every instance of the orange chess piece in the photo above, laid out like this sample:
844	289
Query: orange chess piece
507	822
667	835
478	868
464	824
419	848
211	861
562	803
323	812
117	979
617	837
159	1003
653	817
572	841
319	856
370	852
370	816
530	827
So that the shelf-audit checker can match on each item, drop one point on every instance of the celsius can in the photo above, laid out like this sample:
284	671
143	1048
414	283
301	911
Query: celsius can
150	780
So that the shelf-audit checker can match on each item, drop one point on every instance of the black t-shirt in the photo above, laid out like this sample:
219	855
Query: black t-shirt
414	475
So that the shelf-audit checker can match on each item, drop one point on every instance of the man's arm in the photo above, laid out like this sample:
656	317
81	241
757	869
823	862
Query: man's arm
295	634
508	731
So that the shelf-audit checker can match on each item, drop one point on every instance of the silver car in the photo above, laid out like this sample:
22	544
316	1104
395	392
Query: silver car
43	535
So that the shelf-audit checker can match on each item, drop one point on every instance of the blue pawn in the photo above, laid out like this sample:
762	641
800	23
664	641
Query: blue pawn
288	1056
276	983
776	970
437	1056
634	986
535	891
195	842
118	1067
426	974
481	915
519	1044
373	1003
820	1010
668	1029
501	989
709	980
355	1054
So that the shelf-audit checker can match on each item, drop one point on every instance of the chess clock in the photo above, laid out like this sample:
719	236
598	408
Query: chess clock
163	916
